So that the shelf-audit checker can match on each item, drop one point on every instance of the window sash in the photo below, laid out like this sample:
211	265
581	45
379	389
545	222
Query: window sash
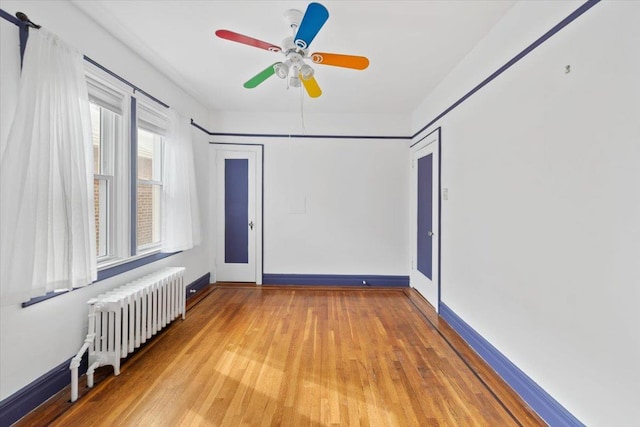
148	216
104	95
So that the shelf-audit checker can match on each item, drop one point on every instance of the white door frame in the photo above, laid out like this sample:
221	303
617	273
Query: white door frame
430	289
220	152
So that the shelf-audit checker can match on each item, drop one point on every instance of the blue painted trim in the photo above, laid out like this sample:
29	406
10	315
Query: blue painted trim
24	37
573	16
566	21
23	43
236	211
37	392
425	137
198	284
335	280
9	17
286	135
539	400
262	218
439	217
107	273
23	29
133	174
132	265
125	81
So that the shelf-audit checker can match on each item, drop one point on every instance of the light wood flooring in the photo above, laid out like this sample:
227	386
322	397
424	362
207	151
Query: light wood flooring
300	357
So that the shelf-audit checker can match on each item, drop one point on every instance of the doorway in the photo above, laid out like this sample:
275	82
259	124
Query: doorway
239	213
425	218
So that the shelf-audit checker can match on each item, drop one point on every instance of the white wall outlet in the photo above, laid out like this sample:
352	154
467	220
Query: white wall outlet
445	194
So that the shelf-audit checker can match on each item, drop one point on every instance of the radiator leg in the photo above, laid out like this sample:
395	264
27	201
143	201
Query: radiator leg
74	384
74	365
90	372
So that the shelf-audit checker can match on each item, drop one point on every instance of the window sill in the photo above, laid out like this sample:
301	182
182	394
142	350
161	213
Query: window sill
106	273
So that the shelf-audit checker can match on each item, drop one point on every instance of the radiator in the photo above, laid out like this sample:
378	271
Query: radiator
124	318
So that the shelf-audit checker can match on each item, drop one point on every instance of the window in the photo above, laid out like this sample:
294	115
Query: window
127	171
152	126
107	139
127	137
150	147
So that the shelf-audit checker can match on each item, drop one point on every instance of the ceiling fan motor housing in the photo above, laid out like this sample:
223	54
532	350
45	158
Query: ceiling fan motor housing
293	18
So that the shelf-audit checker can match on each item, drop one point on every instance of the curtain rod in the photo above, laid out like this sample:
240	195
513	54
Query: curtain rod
24	23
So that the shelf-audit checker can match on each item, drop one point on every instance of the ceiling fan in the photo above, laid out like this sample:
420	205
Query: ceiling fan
296	51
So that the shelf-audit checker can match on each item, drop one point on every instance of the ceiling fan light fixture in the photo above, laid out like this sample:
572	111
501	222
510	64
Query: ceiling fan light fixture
282	69
306	72
294	81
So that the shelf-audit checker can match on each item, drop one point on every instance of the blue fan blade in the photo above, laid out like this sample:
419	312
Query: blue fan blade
313	19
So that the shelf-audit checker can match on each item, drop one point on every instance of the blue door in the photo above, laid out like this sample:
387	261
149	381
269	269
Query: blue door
425	216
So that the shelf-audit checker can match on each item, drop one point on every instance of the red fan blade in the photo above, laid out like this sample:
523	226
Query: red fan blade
240	38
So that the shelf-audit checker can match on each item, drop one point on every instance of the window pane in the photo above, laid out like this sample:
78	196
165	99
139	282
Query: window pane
100	209
95	135
148	214
149	156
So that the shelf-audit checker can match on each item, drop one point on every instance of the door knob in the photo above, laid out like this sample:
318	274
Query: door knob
430	233
251	225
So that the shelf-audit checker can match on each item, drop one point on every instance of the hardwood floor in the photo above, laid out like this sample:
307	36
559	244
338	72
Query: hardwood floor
300	356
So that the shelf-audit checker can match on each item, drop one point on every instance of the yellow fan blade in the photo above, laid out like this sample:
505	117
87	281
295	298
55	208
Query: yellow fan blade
311	85
338	60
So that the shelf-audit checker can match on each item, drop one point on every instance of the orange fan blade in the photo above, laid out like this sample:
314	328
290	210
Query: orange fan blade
311	85
337	60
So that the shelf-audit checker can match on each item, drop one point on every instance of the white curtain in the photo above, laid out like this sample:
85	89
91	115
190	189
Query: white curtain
47	230
180	212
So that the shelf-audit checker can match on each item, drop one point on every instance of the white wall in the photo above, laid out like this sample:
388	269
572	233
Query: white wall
35	339
355	192
356	204
541	232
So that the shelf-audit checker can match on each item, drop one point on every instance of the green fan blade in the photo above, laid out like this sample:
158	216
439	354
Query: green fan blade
261	76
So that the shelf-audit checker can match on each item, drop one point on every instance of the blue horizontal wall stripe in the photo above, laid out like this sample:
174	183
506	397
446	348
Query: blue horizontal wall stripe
288	135
37	392
575	14
125	81
9	17
539	400
23	42
334	280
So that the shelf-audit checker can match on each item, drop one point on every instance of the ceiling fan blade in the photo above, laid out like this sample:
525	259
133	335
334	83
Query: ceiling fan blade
313	19
311	85
240	38
261	76
338	60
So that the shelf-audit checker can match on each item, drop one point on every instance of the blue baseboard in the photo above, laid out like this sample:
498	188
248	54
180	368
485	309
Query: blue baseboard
198	284
33	395
30	397
335	280
539	400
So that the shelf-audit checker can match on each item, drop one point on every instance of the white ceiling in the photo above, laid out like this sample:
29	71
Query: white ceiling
411	45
